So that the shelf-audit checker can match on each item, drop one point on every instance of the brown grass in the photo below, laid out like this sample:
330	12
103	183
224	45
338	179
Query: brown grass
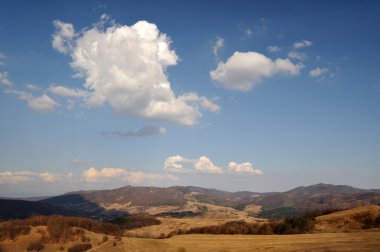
347	220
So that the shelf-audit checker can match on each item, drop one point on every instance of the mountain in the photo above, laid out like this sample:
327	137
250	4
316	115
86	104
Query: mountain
156	200
12	209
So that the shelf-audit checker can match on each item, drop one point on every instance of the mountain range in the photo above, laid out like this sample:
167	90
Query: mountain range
182	201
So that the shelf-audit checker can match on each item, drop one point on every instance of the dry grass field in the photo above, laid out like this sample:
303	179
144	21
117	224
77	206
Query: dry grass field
365	241
340	231
360	241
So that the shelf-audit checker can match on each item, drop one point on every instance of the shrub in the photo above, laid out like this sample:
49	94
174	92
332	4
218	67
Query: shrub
12	229
80	247
35	246
136	221
59	229
368	220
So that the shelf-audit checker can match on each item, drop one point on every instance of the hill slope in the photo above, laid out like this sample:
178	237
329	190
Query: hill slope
157	200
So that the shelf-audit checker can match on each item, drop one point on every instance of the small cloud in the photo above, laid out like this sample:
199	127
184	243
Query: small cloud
21	94
50	177
43	104
138	177
63	37
175	164
28	176
32	87
179	164
319	72
68	92
4	79
142	132
296	55
244	70
244	168
16	177
248	32
302	44
204	164
219	43
78	162
273	49
93	175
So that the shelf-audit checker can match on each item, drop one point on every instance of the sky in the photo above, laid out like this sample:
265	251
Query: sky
234	95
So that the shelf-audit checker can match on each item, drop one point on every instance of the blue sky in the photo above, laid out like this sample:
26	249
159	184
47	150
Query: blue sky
246	95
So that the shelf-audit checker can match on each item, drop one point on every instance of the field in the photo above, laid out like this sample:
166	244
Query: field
339	231
364	241
360	241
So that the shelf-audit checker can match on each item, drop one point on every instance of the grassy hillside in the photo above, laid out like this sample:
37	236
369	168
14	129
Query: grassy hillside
364	241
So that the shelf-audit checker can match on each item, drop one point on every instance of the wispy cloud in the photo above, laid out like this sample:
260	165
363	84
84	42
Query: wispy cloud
4	79
19	177
302	44
273	49
43	103
319	72
145	131
107	174
219	43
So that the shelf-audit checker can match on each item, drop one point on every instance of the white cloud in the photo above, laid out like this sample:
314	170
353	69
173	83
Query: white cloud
139	177
296	55
51	177
32	87
244	168
42	104
69	92
93	175
219	43
244	70
2	59
179	164
62	38
4	79
21	94
125	66
273	49
204	164
302	44
16	177
175	164
28	176
318	72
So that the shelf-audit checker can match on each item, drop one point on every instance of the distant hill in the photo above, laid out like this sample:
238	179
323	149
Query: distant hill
131	199
20	209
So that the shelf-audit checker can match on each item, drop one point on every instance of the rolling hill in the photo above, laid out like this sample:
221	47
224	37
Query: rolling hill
129	199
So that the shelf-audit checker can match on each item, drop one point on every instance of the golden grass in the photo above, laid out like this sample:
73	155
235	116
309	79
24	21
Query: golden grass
364	241
344	221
